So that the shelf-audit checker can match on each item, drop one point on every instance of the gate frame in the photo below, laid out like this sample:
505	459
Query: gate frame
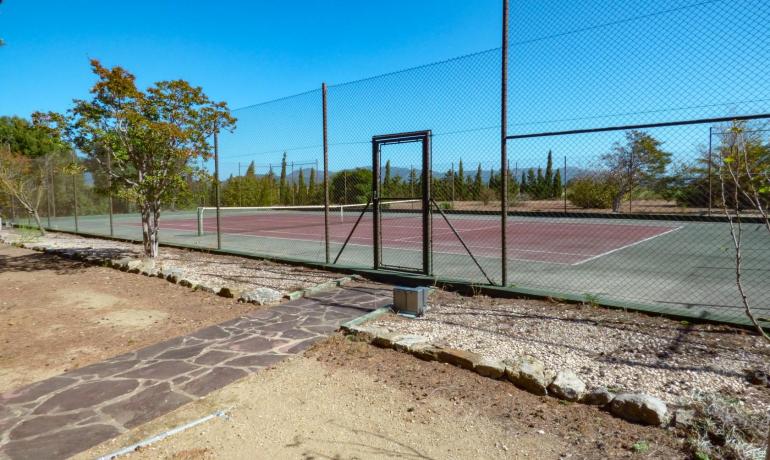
424	137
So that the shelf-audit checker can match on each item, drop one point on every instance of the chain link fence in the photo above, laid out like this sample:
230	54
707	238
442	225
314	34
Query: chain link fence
620	118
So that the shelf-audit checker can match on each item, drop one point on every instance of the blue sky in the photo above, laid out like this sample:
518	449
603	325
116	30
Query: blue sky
243	52
572	65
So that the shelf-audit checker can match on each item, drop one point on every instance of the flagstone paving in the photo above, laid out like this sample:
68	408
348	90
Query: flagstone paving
69	413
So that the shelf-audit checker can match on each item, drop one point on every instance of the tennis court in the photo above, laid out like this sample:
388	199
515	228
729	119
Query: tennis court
569	243
671	266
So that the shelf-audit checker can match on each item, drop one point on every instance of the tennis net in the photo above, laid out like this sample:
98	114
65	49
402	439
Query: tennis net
283	217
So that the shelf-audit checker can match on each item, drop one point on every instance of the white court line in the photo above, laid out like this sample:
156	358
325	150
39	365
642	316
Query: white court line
627	246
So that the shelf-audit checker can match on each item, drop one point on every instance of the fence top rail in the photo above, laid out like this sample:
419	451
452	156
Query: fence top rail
698	121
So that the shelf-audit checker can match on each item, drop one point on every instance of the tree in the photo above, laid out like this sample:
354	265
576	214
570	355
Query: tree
152	137
251	171
387	181
28	152
301	190
311	189
478	184
351	186
640	161
548	178
744	175
24	178
283	189
556	188
413	183
460	182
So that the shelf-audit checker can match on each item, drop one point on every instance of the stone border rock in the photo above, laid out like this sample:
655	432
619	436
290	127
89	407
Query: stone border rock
525	372
258	296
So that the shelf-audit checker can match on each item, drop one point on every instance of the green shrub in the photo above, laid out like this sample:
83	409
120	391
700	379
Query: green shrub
591	192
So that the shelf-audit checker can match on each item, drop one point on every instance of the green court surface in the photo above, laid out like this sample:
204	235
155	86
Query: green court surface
674	267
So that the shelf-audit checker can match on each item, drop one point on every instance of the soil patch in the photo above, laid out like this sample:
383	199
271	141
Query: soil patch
58	314
347	399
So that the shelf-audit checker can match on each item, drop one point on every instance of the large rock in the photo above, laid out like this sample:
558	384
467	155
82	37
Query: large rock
639	408
134	266
227	291
492	368
172	274
568	386
405	342
527	373
261	296
459	358
598	396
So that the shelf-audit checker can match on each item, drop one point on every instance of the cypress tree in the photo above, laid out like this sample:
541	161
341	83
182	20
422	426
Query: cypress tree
556	190
477	184
283	191
460	182
387	181
302	191
251	171
531	182
523	184
413	183
548	191
311	189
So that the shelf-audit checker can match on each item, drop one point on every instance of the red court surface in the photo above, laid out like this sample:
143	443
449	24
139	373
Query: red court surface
569	243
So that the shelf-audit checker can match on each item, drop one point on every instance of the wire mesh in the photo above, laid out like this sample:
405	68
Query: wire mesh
633	216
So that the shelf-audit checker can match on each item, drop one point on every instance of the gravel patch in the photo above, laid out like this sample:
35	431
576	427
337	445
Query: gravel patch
623	351
213	270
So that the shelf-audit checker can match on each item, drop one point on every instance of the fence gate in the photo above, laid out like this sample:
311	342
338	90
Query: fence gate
401	199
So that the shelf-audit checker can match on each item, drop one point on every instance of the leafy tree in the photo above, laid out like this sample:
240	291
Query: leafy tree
351	186
638	162
24	179
28	153
595	191
152	137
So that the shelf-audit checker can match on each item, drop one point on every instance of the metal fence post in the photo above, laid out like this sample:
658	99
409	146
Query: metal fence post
53	191
326	171
109	191
709	168
504	149
216	187
75	190
49	185
564	187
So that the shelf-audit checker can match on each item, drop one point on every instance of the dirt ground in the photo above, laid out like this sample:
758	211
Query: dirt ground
57	314
349	400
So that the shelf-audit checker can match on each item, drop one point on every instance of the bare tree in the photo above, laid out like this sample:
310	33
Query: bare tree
745	180
24	178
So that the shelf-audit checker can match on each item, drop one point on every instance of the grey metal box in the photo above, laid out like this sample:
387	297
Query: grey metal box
410	301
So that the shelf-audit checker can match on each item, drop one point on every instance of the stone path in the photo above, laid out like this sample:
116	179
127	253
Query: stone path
69	413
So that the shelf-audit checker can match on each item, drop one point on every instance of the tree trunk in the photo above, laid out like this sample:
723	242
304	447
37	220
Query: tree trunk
150	218
36	216
616	202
